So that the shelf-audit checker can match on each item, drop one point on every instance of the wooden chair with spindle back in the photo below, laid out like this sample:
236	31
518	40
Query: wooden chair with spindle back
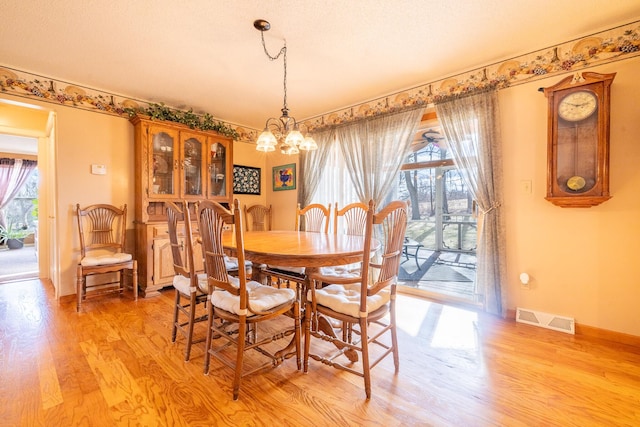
190	285
237	305
102	231
364	302
257	217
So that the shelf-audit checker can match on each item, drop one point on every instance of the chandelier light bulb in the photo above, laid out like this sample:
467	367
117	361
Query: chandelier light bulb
309	144
265	148
294	138
267	138
289	149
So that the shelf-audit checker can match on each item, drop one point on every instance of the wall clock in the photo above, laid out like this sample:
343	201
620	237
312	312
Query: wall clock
578	140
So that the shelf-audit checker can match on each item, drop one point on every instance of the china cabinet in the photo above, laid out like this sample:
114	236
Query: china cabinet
173	162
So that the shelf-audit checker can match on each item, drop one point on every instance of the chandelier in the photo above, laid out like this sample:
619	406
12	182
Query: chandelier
284	130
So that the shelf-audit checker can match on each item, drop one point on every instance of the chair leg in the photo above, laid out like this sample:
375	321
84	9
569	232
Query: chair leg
296	334
307	335
79	287
174	330
207	353
192	319
242	330
394	333
134	279
123	284
366	370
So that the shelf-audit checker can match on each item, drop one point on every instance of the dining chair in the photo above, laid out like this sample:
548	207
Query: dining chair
237	305
365	303
257	217
350	220
190	287
102	231
312	218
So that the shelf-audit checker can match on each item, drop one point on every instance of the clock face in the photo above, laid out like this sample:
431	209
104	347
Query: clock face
577	106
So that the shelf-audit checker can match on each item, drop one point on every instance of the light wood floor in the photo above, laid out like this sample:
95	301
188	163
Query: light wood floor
114	365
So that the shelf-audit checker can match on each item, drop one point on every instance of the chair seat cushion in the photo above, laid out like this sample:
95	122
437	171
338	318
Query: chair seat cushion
231	263
296	270
116	258
345	299
183	284
261	298
342	271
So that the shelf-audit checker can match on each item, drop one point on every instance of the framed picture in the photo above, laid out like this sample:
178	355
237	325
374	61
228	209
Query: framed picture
284	177
246	180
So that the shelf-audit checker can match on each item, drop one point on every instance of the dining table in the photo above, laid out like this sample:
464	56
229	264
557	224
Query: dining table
307	249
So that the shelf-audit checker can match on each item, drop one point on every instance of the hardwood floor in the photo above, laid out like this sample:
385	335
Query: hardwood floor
113	364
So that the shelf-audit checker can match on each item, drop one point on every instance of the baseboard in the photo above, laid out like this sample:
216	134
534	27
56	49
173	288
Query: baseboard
66	299
593	332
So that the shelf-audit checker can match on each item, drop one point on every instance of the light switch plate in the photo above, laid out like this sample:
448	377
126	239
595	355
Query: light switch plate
98	169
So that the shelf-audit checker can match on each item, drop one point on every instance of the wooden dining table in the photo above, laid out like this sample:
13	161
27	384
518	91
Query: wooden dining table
299	248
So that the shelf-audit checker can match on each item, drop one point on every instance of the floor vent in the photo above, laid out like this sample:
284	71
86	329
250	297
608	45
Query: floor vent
546	320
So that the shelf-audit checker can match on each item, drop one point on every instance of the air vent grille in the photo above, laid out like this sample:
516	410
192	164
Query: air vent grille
546	320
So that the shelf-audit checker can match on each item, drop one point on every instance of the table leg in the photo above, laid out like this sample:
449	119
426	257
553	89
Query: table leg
256	273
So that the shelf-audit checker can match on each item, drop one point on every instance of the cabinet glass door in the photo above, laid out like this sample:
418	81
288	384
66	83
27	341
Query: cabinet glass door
218	169
163	160
192	163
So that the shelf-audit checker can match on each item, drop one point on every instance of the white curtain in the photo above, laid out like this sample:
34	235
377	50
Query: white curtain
374	150
472	129
312	165
335	186
13	174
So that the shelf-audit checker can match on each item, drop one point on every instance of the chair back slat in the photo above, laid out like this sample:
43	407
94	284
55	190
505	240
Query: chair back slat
354	217
393	222
257	217
182	252
390	224
102	226
314	217
212	218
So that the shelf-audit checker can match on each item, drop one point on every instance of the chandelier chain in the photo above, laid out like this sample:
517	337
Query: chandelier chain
283	52
283	130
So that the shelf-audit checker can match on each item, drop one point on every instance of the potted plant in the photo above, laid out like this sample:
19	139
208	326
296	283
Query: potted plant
13	236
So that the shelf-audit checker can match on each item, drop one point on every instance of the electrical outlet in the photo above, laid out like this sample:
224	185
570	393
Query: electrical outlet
525	186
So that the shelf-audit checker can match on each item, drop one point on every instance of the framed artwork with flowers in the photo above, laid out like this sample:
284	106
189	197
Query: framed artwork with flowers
284	177
246	180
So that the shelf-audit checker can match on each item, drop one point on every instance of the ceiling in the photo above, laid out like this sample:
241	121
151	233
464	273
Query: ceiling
206	54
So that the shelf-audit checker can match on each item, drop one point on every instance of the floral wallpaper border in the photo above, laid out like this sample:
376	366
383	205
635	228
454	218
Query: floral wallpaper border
28	85
615	44
611	45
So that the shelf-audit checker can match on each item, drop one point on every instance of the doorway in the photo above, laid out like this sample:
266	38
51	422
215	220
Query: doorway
439	254
19	216
37	125
19	228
